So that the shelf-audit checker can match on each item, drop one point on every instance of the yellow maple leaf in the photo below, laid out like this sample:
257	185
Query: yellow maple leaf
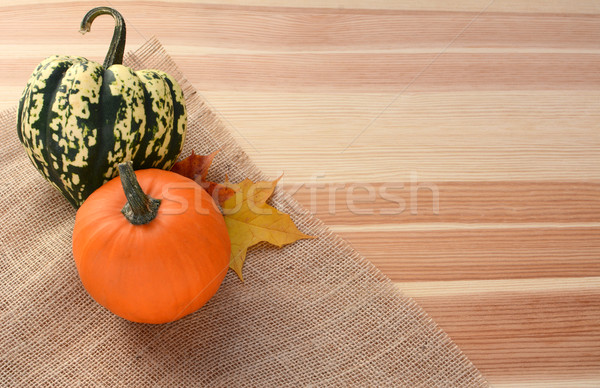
250	220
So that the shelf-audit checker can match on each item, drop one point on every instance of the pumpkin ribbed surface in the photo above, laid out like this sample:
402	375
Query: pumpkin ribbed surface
160	271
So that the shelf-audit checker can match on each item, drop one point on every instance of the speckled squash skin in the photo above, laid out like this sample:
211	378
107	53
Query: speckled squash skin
78	119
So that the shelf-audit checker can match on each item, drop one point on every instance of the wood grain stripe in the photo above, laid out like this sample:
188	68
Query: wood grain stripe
537	6
455	202
481	254
395	72
225	32
514	342
469	288
387	72
460	136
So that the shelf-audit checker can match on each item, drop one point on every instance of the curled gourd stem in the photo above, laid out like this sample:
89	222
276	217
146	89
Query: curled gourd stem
117	45
140	208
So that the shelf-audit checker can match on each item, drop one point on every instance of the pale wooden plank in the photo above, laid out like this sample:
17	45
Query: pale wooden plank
469	288
548	382
481	254
389	73
411	204
305	29
451	136
525	335
457	226
536	6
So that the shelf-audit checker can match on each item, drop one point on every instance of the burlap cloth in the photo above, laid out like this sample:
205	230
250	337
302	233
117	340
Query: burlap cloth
313	313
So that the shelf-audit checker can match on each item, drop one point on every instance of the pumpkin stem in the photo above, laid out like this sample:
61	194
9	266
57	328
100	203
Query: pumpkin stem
117	45
140	208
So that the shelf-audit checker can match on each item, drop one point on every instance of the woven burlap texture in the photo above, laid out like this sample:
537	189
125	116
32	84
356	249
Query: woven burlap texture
312	313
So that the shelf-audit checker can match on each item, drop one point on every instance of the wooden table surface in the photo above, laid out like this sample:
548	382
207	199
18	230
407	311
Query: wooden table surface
454	144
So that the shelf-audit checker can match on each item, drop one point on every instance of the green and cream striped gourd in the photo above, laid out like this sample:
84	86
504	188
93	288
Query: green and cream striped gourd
78	119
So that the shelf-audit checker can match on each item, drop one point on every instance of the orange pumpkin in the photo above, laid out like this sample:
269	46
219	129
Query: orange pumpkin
155	256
